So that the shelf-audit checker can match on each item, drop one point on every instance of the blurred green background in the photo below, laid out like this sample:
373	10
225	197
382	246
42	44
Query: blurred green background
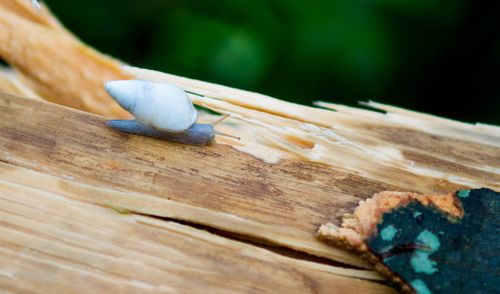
435	56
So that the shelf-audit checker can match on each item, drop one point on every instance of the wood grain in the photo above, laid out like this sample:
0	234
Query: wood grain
217	186
285	203
52	244
409	150
53	63
56	164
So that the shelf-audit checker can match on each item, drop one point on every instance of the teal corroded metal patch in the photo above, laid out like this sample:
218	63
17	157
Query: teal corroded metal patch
436	255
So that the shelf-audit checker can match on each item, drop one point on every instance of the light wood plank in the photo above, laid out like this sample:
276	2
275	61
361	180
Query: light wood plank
286	202
401	147
50	243
217	186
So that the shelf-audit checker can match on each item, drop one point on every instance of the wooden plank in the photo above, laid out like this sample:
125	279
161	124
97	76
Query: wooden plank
53	244
108	198
217	186
281	204
412	151
68	153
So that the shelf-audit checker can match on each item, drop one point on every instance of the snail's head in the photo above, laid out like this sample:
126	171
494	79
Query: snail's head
201	134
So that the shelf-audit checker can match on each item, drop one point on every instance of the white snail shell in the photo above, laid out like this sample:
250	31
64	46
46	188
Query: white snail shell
162	106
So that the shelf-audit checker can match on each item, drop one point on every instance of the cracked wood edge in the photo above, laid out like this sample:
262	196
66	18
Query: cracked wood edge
216	186
398	148
153	206
51	243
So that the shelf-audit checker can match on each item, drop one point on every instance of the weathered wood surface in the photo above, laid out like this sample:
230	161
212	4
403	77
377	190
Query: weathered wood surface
402	149
282	204
217	186
52	159
410	150
52	62
50	243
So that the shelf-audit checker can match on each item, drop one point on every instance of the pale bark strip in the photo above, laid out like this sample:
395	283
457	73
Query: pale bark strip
400	147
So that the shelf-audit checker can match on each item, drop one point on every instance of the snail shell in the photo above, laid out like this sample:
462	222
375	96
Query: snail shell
161	106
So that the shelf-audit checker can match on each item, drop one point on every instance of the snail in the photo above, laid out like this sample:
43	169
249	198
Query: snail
161	110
